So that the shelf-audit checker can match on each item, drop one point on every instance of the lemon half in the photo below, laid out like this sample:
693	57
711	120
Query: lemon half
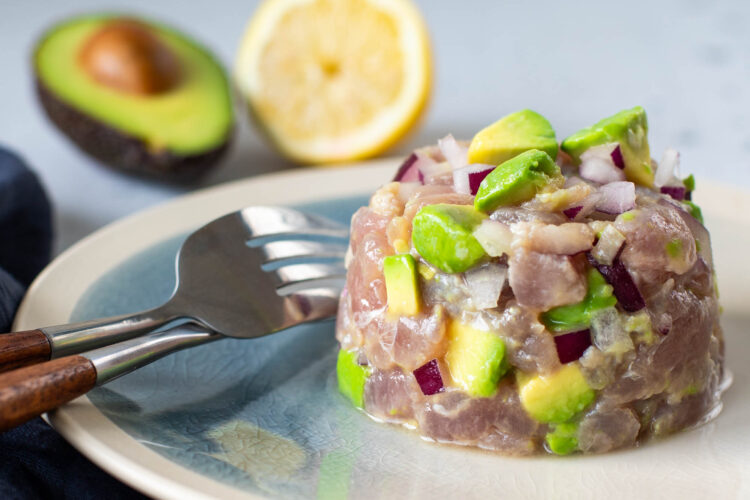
335	80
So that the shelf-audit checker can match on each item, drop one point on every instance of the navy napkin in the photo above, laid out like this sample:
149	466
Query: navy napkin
35	461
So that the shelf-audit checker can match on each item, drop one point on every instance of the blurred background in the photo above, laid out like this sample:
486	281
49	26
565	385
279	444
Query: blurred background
686	61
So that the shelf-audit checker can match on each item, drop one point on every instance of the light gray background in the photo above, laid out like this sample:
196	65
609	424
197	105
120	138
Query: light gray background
687	62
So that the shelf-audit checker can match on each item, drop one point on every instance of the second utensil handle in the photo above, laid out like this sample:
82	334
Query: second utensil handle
28	392
30	347
20	349
31	391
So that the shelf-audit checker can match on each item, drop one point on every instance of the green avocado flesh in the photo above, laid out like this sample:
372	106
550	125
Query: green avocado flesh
555	398
352	377
512	135
694	210
194	117
578	316
476	359
628	128
442	234
401	284
517	180
563	440
689	182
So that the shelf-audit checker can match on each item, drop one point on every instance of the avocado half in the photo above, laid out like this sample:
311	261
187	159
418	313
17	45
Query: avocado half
175	132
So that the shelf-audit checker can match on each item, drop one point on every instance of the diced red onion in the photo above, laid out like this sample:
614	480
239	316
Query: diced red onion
418	166
617	159
571	346
597	170
430	168
608	333
609	245
572	181
476	178
624	287
485	284
407	172
597	165
456	154
676	192
616	197
583	207
669	168
495	237
432	152
571	212
429	378
467	179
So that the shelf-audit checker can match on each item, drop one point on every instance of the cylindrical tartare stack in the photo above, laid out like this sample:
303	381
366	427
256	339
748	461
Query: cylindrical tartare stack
528	297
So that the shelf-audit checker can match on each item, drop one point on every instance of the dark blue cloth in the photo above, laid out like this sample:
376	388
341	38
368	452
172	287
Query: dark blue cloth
35	461
25	220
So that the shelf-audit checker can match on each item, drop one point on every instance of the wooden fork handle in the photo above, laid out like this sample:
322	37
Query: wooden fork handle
20	349
28	392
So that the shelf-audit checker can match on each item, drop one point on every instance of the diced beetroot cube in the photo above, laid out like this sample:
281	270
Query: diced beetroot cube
616	155
571	346
571	212
429	378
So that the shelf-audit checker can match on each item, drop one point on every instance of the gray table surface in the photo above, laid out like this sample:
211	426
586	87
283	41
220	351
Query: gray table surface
687	62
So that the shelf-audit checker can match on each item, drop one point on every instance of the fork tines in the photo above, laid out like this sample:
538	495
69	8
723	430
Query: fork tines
292	250
266	222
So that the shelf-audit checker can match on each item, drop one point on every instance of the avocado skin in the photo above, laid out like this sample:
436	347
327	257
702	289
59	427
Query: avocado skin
122	151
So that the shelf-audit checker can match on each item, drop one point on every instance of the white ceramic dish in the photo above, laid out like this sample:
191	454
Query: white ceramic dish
340	452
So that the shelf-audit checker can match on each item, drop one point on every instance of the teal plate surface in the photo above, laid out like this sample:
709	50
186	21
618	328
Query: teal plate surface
262	415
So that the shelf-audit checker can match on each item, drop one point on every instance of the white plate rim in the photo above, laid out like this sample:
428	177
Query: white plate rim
92	433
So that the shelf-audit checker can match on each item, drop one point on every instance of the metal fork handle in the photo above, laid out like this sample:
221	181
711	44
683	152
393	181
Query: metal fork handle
33	390
116	360
25	348
28	392
21	349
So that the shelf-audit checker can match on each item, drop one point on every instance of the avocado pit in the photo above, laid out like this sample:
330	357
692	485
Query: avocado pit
136	95
125	55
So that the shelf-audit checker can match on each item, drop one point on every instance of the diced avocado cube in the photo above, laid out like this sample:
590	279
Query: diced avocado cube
674	248
352	377
401	284
690	390
442	234
475	358
628	128
563	440
516	180
627	216
640	328
578	316
555	398
694	210
512	135
689	182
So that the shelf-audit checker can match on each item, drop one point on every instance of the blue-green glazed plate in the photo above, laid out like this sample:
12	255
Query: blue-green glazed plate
263	419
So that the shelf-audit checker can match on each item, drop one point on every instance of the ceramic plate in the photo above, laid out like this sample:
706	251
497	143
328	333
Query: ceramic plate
262	418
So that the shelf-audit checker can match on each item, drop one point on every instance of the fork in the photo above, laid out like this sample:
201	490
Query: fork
247	274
